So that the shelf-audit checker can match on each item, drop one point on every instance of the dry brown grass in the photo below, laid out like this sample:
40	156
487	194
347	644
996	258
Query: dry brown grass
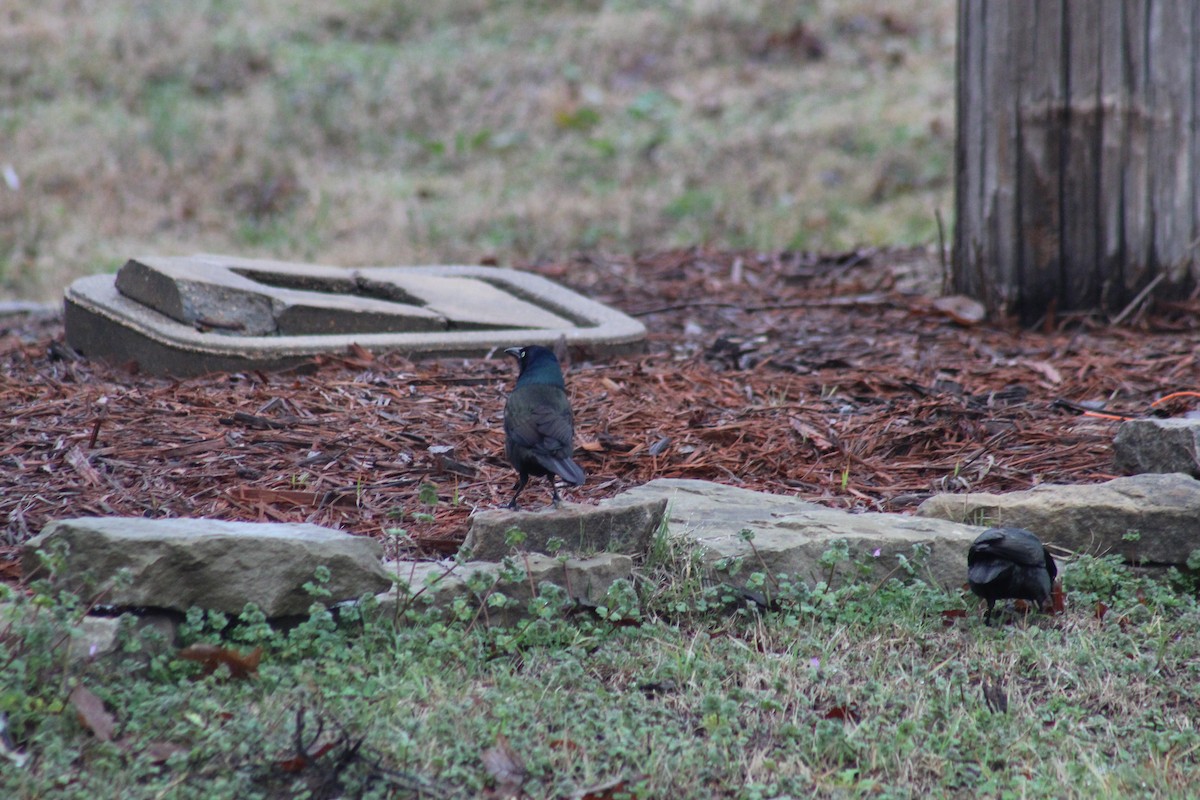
374	132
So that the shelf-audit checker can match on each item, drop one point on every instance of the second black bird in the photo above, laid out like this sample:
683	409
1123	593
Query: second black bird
538	426
1009	563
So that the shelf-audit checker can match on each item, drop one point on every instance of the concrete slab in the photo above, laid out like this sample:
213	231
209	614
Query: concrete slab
466	303
191	315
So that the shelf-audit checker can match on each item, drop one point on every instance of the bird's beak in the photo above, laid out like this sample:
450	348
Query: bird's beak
515	352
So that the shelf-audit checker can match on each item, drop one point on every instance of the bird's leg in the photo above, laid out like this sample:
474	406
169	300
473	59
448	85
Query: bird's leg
521	481
554	493
987	616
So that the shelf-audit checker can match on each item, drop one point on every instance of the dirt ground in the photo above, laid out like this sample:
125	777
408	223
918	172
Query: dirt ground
829	378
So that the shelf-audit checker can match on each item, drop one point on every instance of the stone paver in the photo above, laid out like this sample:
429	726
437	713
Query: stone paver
1158	445
789	536
213	564
438	584
1147	519
619	524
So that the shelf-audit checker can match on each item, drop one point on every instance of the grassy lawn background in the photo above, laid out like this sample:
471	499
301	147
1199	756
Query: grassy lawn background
376	132
847	690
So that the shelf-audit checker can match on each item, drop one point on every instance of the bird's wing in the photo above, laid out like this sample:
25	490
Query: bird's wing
1024	550
554	448
554	429
985	572
540	422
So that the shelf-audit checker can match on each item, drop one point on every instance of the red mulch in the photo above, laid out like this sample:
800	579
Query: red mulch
803	375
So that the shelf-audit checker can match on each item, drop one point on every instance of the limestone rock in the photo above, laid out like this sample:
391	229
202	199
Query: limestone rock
101	636
1147	519
1158	445
621	524
94	636
790	535
179	563
437	584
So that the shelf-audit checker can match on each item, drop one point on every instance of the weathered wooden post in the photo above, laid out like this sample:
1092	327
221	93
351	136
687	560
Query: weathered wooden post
1078	152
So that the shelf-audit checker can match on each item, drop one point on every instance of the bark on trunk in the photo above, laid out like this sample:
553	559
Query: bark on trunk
1077	154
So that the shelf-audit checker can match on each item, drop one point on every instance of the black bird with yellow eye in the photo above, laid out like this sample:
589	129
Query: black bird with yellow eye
538	426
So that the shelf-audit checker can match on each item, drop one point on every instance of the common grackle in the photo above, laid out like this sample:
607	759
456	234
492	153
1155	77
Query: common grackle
538	427
1009	563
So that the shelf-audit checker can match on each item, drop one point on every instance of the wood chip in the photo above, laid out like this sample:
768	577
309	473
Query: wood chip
842	391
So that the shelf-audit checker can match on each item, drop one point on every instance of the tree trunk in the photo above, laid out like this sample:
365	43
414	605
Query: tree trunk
1077	154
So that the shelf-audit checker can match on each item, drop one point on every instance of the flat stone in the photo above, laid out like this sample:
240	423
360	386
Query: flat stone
193	315
1158	445
1147	519
439	584
705	508
96	637
621	524
212	564
100	637
789	535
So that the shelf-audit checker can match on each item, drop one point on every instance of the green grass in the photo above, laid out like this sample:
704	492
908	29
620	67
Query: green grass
377	132
854	690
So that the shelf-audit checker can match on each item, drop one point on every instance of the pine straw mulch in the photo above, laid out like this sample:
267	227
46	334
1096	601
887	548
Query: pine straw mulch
803	375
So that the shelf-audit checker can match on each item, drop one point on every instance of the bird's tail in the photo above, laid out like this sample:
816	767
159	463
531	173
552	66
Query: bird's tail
566	469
